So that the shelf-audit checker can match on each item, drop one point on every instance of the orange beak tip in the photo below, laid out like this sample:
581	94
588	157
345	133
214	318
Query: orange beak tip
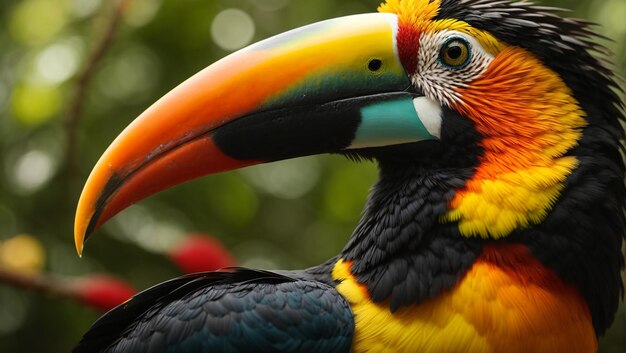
79	250
79	243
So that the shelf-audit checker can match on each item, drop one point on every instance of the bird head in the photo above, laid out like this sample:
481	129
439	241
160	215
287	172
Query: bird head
507	99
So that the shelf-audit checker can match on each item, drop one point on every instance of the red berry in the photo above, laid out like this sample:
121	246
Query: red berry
199	253
103	292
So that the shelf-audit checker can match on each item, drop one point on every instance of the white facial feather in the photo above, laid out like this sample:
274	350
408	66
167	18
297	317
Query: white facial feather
438	81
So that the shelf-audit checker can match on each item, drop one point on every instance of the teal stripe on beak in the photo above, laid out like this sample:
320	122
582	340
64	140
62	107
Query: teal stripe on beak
390	122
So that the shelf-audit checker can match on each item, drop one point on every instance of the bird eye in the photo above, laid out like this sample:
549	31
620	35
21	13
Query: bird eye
455	53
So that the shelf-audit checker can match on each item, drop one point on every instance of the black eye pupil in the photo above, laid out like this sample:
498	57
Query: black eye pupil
375	64
455	52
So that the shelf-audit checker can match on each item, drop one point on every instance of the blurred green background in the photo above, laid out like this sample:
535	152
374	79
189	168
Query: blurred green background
290	214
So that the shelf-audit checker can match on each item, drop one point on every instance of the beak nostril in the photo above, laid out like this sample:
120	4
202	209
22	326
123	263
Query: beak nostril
375	65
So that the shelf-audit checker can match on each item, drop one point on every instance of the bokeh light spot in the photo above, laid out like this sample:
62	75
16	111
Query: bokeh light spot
57	63
288	179
35	104
32	170
129	75
84	8
232	29
35	22
159	236
611	15
140	13
138	225
22	253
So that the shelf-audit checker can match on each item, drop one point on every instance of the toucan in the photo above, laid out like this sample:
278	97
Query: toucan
497	219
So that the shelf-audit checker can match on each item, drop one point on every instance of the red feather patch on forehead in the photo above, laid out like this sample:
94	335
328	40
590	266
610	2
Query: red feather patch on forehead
413	19
408	43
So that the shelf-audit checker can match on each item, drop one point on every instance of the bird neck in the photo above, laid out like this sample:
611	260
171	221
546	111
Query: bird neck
399	249
404	251
581	237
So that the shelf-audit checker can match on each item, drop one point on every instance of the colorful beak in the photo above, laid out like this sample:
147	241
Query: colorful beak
327	87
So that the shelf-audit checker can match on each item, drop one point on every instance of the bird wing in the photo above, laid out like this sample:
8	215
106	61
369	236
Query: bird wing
239	310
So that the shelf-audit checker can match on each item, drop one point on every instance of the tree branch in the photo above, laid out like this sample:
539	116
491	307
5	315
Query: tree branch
38	283
76	106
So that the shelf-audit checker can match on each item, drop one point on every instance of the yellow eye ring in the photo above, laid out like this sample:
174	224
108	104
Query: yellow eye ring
455	53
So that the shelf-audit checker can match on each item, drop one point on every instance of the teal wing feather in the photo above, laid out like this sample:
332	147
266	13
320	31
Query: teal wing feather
241	310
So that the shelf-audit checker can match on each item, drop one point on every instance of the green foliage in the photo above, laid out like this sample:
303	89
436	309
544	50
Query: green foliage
267	220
